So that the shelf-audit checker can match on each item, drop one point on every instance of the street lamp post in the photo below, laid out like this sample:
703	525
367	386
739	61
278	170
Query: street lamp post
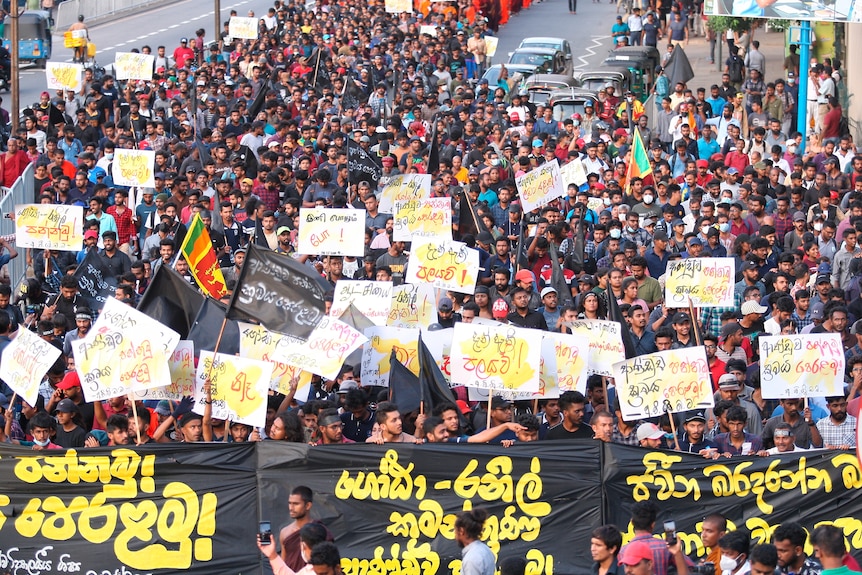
13	68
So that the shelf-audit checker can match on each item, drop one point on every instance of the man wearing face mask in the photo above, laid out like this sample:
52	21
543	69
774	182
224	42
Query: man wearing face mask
734	553
648	207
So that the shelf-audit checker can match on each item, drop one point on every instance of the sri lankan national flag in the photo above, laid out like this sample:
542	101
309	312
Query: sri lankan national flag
639	165
198	251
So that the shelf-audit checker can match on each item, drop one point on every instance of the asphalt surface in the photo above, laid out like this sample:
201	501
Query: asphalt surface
588	32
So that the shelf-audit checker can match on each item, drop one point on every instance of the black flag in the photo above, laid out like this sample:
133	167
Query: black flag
468	222
362	166
404	388
279	292
95	284
435	390
558	278
259	100
433	150
615	314
172	301
207	325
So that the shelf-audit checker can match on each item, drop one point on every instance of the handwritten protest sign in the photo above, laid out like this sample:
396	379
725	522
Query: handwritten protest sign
396	6
64	76
403	187
134	167
332	232
24	363
371	298
566	357
181	364
241	27
439	344
708	282
606	344
666	381
491	45
49	226
574	173
448	265
413	305
809	365
376	351
426	218
132	66
257	342
540	185
331	342
124	351
483	395
239	387
505	357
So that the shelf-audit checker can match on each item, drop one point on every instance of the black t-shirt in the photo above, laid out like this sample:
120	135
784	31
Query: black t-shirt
560	432
67	439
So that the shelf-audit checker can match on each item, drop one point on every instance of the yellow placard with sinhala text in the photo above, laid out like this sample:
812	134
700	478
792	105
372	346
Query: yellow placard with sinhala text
805	365
708	282
49	226
257	342
239	387
64	76
425	218
666	381
328	346
447	265
134	168
496	357
403	187
133	66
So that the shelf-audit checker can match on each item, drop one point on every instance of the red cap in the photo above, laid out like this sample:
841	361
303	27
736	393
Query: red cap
634	553
702	164
462	405
70	380
524	276
500	309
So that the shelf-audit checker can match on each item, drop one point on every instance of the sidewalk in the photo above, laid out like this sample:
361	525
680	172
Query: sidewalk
706	74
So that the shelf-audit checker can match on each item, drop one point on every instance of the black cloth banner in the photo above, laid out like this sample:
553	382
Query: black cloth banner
95	282
207	325
172	300
167	509
362	166
279	292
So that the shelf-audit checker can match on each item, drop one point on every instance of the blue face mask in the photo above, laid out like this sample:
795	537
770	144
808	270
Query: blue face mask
668	436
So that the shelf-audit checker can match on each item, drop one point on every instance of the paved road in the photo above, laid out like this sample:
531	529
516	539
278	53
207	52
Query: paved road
166	25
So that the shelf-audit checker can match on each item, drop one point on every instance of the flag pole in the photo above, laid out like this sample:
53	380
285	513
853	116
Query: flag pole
672	425
697	335
135	414
210	368
488	417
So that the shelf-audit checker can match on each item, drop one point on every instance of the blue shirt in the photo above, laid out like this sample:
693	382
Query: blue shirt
706	149
717	105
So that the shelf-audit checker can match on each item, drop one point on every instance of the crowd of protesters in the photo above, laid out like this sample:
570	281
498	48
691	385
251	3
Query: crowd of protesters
246	133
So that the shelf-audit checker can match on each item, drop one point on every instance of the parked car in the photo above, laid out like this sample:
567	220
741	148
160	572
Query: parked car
560	44
545	60
540	86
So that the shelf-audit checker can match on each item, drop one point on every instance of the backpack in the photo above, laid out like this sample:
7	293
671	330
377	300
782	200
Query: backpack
734	69
843	126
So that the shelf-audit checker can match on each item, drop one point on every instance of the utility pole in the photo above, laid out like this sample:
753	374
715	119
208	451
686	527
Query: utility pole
14	84
217	21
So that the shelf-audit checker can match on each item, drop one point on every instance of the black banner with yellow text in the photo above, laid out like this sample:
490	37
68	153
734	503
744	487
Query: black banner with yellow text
195	508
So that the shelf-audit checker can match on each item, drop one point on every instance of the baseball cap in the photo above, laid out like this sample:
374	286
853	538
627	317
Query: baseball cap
857	328
729	329
163	407
524	276
281	230
750	265
681	317
728	381
798	216
445	304
637	551
548	290
463	406
498	402
816	310
752	306
66	406
91	234
500	309
660	236
823	278
732	171
647	431
346	386
696	415
69	381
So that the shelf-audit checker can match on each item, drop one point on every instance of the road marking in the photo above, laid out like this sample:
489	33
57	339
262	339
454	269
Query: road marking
597	43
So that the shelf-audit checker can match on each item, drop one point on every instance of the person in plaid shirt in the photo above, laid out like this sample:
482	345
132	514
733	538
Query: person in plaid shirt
123	216
838	431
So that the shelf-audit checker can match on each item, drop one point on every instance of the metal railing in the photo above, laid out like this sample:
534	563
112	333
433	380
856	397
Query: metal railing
21	192
68	11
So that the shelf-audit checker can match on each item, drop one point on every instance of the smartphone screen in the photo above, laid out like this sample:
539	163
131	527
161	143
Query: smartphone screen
670	532
265	532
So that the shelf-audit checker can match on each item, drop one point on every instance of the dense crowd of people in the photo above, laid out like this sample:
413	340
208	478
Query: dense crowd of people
247	133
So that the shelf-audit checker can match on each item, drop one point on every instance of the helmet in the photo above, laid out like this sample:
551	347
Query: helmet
577	117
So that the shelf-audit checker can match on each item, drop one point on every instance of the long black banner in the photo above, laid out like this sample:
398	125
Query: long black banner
195	508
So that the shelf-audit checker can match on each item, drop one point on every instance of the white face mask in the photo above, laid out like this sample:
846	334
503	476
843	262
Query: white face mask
818	227
725	227
727	564
109	156
704	229
41	443
648	198
606	201
495	162
616	233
